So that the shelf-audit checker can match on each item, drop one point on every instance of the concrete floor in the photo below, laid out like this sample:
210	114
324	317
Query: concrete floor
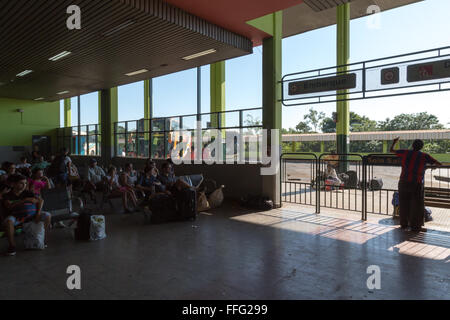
236	254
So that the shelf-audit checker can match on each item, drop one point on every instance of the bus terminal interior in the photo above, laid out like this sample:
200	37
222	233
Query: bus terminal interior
317	241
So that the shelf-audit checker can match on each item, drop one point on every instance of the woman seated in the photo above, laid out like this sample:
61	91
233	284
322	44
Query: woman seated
117	190
331	176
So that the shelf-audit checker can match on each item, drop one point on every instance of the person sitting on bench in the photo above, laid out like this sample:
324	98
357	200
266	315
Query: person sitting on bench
95	178
120	191
149	183
22	206
331	175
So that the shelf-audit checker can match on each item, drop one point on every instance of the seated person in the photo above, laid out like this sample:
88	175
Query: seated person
38	182
117	190
40	164
22	206
74	176
331	175
149	183
131	174
4	190
10	169
168	179
95	177
23	164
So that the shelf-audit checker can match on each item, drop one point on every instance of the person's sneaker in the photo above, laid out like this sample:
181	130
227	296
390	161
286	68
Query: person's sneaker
11	251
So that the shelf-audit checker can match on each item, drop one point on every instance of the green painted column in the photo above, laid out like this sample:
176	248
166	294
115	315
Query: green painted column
217	78
99	107
109	115
148	112
272	116
67	113
343	58
322	146
385	147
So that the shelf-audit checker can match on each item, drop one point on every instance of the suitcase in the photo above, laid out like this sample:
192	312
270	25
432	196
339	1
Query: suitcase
163	209
187	204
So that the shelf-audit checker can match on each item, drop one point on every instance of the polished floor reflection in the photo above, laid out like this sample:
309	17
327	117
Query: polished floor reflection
233	253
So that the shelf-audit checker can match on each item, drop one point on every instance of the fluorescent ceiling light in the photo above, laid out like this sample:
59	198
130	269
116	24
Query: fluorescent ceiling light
38	99
200	54
24	73
136	72
60	56
122	26
63	92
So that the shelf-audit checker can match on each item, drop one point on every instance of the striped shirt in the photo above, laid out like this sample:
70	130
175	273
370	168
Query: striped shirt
413	165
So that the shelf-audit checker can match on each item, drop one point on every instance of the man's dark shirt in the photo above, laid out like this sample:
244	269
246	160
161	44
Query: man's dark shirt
413	165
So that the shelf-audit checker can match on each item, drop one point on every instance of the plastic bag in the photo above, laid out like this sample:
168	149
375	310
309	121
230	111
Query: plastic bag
34	236
97	228
202	204
216	198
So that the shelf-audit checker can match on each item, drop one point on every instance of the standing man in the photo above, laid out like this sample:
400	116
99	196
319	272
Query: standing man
410	187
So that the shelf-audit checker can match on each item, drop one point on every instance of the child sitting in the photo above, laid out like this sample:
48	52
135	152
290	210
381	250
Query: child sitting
37	182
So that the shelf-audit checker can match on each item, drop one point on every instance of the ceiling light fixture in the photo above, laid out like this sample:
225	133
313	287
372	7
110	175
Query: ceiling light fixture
59	56
63	92
116	29
38	99
136	72
200	54
24	73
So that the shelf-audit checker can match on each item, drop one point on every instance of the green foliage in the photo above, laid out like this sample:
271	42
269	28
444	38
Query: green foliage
414	121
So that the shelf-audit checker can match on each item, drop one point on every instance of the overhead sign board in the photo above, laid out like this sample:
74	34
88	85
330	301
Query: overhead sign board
390	75
340	82
429	71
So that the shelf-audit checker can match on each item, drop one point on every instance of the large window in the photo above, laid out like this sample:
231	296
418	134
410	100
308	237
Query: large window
158	137
131	101
175	94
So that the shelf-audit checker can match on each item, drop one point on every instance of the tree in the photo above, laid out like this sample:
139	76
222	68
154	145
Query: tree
314	118
303	127
414	121
357	123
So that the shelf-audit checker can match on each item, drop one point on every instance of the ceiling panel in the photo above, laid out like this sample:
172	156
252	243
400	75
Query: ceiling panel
157	37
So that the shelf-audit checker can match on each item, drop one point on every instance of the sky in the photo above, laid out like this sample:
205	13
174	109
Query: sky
420	26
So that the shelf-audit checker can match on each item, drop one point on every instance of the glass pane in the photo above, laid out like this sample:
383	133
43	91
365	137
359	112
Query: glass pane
131	145
252	118
68	131
172	124
74	146
230	120
206	121
157	146
92	148
120	127
83	146
158	125
92	130
99	143
143	143
189	123
120	143
131	126
89	108
143	125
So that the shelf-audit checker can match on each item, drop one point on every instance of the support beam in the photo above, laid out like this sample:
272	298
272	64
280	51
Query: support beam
67	113
272	69
343	58
217	92
148	114
110	114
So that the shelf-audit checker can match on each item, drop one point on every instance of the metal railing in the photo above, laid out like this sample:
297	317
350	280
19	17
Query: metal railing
303	180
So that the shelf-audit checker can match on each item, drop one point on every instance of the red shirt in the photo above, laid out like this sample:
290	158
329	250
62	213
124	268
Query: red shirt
413	165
